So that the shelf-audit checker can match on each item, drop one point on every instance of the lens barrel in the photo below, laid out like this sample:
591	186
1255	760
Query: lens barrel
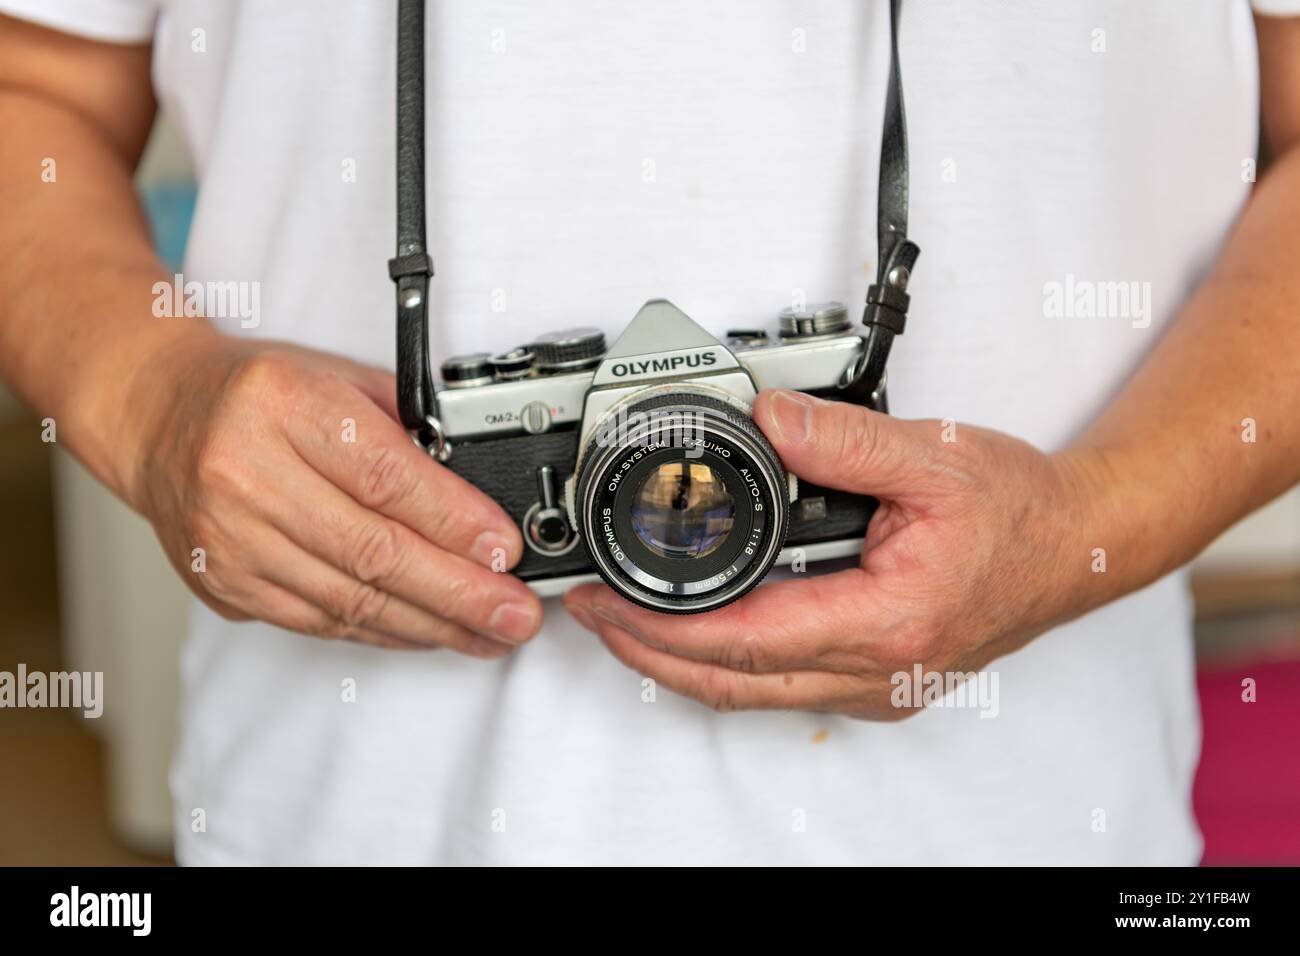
681	502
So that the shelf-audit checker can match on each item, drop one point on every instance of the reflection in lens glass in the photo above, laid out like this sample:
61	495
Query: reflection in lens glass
682	510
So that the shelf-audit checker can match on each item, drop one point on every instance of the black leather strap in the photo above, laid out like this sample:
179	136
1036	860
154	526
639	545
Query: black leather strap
887	299
411	268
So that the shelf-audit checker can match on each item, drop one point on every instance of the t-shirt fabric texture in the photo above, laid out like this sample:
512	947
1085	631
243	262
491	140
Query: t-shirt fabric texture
585	157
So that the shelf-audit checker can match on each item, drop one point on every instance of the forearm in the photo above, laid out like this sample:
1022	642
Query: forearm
78	339
1208	429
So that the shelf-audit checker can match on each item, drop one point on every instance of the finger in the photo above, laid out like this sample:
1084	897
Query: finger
810	624
377	384
226	611
726	690
401	585
389	643
198	587
378	465
846	446
284	607
308	619
260	599
376	553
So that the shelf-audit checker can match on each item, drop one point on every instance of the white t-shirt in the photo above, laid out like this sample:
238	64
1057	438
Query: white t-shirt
585	157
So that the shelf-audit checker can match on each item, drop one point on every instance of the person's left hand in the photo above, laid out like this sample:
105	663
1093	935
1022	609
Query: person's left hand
979	545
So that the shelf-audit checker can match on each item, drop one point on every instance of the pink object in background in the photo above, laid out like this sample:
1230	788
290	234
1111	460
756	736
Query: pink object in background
1247	791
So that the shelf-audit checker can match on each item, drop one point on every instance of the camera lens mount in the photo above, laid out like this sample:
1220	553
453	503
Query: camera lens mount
681	502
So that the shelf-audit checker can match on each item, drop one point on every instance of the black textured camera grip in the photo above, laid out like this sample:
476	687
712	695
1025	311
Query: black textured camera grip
506	470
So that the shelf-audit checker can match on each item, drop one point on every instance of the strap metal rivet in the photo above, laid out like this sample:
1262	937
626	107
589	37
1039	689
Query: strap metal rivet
410	298
898	277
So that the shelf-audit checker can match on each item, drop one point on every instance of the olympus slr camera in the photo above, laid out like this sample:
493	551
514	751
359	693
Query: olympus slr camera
641	463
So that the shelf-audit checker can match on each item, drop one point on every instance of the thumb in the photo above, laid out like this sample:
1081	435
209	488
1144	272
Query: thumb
845	446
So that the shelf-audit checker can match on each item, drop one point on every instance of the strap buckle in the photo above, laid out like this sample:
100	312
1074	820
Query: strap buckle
411	264
887	300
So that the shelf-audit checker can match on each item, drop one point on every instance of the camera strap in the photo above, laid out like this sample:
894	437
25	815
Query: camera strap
887	299
412	267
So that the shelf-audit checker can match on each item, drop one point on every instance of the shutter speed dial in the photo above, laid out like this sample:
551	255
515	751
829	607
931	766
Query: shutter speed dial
568	349
515	364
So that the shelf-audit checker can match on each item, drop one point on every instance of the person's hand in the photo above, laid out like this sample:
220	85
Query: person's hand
283	488
978	546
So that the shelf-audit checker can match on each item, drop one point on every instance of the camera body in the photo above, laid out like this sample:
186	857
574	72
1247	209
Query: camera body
639	464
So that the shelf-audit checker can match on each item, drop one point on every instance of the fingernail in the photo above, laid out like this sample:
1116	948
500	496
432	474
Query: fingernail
491	550
792	415
513	622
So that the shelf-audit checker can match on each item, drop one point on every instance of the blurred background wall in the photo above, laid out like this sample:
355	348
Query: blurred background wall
84	586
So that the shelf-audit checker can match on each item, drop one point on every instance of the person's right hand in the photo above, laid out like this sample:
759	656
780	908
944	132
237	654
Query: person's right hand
367	539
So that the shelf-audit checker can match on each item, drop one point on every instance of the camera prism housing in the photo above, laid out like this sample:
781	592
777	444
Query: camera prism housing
640	464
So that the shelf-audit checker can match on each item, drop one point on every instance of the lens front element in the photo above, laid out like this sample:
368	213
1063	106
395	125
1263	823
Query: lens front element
683	510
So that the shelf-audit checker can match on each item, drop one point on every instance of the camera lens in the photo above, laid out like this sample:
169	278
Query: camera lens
683	510
681	503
